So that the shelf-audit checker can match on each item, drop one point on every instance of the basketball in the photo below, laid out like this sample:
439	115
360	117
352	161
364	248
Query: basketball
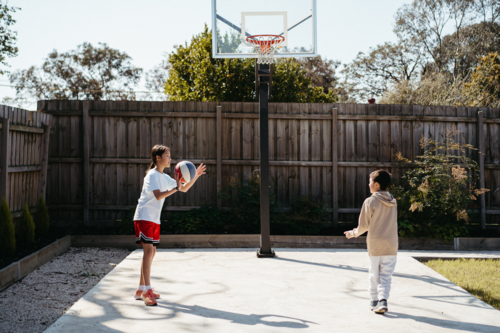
186	171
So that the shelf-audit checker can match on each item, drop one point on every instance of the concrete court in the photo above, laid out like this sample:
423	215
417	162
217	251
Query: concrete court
302	290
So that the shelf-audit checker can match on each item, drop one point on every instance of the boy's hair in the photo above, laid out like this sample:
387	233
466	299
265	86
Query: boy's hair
383	177
157	150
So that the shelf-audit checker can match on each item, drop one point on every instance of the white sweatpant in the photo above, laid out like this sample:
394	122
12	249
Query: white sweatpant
380	274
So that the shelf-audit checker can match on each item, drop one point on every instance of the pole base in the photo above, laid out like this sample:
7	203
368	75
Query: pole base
266	255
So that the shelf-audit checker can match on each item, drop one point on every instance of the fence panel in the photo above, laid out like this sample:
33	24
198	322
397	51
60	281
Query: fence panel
301	161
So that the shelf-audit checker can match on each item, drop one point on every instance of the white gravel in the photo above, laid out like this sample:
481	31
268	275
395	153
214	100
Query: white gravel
38	300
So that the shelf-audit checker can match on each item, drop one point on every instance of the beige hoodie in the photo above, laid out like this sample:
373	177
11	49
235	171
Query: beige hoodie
379	216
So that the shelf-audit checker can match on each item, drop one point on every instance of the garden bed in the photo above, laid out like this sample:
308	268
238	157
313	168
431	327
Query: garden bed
39	299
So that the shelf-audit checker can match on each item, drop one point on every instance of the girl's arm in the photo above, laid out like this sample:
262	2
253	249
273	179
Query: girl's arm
160	195
184	188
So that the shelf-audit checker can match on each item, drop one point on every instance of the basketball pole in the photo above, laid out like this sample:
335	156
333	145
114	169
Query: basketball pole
263	79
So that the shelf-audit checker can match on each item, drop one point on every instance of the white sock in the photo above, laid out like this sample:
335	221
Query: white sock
147	288
142	287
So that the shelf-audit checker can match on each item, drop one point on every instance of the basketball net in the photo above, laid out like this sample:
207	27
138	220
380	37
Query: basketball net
265	46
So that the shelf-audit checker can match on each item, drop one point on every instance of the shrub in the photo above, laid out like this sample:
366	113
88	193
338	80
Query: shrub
243	197
26	227
7	230
42	220
433	197
127	223
304	218
206	220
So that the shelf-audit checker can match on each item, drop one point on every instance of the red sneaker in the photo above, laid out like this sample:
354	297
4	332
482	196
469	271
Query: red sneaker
149	298
138	294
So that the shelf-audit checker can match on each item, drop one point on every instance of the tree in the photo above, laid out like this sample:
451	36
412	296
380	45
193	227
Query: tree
460	52
422	24
484	88
85	73
370	75
155	81
321	72
8	37
196	76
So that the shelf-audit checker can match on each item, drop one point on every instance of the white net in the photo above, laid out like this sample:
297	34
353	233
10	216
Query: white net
265	46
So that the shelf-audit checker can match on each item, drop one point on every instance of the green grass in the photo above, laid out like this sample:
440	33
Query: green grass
478	276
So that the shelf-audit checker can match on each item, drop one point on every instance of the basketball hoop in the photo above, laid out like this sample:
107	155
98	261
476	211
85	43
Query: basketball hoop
265	46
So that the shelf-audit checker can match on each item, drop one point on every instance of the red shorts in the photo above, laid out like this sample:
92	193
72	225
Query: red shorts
147	232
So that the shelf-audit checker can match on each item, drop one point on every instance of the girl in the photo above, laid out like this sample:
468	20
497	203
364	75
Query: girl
157	186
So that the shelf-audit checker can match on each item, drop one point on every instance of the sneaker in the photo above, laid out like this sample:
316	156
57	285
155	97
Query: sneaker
149	298
381	307
373	304
138	294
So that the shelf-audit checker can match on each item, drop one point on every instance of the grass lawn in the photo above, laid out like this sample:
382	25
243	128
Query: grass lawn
478	276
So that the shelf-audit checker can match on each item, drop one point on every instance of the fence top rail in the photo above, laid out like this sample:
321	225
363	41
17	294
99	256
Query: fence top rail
274	108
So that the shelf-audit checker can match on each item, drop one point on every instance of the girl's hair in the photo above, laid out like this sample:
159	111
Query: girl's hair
157	150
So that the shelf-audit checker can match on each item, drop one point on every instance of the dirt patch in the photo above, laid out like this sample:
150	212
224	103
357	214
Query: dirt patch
35	302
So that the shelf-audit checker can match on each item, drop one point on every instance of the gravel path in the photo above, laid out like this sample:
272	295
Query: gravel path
38	300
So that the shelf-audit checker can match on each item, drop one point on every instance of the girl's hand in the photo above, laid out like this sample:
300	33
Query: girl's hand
201	170
348	234
177	180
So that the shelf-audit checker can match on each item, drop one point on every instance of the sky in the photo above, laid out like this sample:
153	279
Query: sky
148	29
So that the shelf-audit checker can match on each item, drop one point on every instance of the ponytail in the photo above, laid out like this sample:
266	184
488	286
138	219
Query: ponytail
157	150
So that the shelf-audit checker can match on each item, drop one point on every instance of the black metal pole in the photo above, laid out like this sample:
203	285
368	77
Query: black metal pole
265	230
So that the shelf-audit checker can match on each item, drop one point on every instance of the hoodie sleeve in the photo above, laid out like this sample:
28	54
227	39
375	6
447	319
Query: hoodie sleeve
364	219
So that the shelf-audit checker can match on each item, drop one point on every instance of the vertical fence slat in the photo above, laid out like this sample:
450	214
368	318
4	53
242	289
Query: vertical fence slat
335	184
219	154
480	134
4	158
44	158
86	160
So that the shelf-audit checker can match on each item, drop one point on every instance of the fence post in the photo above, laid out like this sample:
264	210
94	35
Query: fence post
44	152
335	183
480	138
86	166
4	158
218	130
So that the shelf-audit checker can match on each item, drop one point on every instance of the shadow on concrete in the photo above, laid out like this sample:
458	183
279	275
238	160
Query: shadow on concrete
233	317
423	278
447	299
451	324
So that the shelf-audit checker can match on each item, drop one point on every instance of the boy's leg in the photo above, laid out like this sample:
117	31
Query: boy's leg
387	265
374	277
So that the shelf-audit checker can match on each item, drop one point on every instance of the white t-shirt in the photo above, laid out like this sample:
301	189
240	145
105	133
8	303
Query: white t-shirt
149	208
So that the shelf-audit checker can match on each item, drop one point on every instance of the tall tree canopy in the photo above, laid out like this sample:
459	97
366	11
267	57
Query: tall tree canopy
85	73
438	41
8	37
196	76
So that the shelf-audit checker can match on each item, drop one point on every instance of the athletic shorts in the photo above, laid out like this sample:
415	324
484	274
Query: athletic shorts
147	232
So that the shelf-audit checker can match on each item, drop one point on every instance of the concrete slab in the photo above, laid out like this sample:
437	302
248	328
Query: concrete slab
306	290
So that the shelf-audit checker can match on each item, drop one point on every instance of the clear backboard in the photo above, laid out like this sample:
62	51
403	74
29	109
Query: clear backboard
233	21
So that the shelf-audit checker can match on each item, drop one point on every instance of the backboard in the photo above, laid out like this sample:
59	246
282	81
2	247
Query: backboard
235	20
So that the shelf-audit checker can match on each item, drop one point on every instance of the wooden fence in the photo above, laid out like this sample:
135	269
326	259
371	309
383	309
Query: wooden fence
24	144
99	150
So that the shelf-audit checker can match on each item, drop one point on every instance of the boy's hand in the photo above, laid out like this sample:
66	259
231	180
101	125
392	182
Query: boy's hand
349	234
201	170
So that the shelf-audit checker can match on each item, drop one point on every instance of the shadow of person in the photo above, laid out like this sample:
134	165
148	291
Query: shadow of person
424	278
233	317
452	324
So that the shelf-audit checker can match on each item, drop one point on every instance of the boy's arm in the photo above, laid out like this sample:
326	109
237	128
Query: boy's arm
363	223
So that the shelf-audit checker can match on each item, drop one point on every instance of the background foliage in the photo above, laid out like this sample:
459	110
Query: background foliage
434	196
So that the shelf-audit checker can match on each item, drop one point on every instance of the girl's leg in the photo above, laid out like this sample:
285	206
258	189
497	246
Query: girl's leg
147	260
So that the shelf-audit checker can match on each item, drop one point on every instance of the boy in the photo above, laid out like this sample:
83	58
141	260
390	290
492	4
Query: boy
379	217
